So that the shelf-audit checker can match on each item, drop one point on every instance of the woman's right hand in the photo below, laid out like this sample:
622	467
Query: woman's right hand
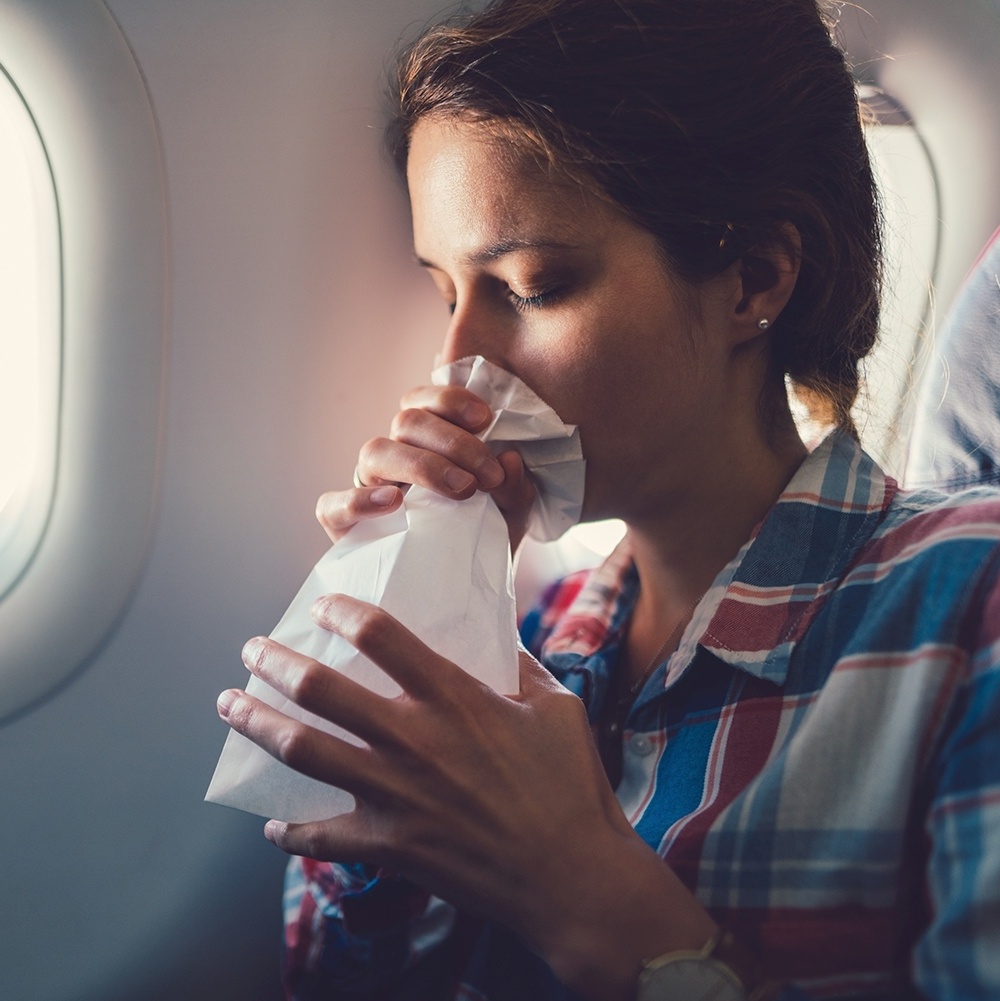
433	443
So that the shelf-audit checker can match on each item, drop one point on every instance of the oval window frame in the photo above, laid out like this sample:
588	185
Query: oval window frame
24	514
910	191
78	77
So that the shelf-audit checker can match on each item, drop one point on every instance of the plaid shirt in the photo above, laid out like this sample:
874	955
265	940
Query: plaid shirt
819	761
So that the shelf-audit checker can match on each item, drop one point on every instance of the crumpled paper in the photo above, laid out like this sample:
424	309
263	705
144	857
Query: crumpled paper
441	567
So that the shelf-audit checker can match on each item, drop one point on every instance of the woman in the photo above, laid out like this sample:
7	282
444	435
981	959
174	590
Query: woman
772	744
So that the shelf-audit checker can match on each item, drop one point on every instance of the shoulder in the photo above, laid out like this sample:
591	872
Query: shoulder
922	524
932	568
553	604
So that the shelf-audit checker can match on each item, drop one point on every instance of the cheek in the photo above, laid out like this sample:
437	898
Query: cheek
567	367
605	366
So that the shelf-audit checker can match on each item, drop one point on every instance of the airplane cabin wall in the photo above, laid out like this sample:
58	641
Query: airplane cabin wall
296	319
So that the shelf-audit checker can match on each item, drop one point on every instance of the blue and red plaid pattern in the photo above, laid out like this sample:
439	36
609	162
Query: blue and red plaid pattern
819	761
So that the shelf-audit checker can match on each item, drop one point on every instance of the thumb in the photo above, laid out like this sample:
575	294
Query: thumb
533	677
514	496
516	493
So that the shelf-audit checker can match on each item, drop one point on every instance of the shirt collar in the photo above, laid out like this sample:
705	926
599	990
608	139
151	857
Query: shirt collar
763	601
772	590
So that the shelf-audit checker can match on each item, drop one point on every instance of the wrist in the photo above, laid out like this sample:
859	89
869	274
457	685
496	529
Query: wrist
723	970
622	913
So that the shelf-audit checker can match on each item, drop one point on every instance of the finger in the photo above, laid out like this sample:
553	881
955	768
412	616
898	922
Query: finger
423	429
343	839
383	459
418	670
340	510
302	747
455	404
515	495
320	689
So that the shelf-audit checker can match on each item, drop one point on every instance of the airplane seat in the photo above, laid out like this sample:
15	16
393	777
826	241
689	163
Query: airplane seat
956	436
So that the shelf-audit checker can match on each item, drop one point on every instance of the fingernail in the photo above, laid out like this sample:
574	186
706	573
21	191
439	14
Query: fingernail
272	829
252	650
475	413
383	496
225	702
459	479
490	473
324	611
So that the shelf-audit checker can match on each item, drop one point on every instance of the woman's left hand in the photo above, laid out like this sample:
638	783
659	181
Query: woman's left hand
498	804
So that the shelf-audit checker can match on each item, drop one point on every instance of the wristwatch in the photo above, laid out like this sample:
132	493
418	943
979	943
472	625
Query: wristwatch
724	970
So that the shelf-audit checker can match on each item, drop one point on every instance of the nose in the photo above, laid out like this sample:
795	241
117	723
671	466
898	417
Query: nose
473	331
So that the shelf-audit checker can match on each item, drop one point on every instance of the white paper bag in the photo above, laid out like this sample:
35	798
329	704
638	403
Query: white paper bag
442	567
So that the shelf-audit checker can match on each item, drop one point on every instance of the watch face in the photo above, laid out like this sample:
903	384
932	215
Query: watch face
690	979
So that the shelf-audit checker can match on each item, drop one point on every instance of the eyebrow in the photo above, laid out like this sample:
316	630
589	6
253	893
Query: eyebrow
497	250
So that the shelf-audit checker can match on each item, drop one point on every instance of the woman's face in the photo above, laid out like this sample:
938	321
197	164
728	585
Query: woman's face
562	289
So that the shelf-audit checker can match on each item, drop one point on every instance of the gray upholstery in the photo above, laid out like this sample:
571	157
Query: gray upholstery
956	436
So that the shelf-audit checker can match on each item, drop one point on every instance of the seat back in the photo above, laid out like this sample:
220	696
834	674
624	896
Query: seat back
955	441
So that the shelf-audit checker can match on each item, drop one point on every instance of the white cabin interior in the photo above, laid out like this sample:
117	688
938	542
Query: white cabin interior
238	312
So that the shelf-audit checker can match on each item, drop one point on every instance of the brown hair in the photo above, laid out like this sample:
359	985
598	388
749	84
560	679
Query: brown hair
712	123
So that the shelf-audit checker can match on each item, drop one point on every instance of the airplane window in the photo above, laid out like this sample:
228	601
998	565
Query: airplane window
83	264
599	536
906	177
29	334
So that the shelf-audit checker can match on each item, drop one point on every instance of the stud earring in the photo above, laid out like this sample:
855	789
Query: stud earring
763	323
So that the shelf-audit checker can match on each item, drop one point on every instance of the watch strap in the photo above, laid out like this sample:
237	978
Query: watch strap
731	952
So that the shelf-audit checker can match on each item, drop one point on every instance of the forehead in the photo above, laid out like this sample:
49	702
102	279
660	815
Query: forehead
471	188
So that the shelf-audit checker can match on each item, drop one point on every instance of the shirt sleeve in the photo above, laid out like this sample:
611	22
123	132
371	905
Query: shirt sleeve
959	955
544	616
360	931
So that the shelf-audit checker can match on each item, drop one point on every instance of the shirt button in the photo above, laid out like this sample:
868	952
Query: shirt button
641	745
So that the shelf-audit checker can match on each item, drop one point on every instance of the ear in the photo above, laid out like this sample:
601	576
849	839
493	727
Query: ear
767	276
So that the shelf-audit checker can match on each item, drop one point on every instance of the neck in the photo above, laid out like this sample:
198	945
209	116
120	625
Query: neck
681	544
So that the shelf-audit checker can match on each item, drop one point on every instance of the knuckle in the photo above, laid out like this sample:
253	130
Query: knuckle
242	715
369	451
292	746
371	628
337	512
352	509
323	509
571	705
308	685
454	438
407	400
461	701
331	507
391	854
453	399
399	843
311	841
405	423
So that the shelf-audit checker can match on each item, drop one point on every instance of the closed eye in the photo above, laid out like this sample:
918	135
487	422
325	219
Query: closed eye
528	302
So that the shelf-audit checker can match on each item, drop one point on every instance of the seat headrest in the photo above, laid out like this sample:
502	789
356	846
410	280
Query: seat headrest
955	441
